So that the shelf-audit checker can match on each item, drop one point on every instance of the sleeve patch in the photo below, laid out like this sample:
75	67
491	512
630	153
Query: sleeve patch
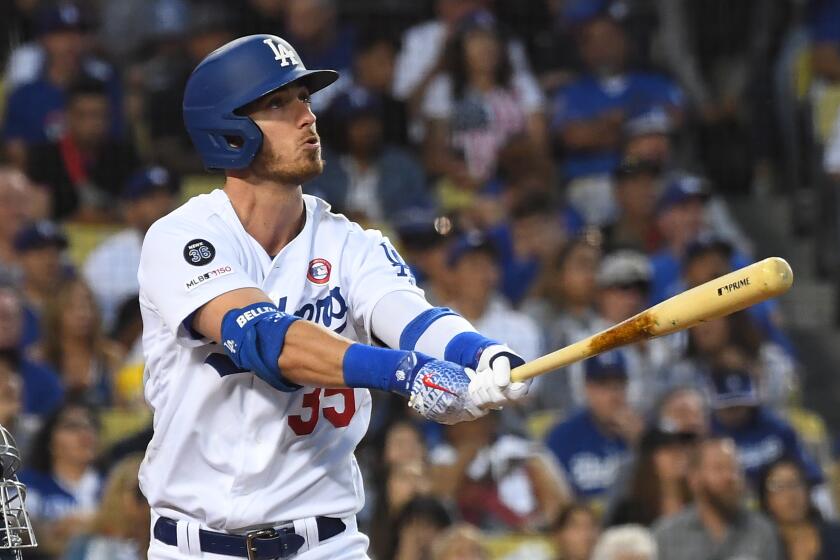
199	252
208	276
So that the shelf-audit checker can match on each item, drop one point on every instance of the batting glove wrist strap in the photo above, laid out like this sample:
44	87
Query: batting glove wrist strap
465	349
253	338
370	367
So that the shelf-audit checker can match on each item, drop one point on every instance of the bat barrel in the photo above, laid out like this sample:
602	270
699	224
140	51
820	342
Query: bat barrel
727	294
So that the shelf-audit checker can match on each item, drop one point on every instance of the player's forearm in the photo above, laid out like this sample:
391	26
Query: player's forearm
313	355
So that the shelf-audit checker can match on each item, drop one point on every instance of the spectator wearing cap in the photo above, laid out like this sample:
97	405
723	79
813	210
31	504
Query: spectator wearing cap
588	115
474	265
39	247
111	268
17	195
424	241
635	187
623	282
42	73
372	180
761	437
592	443
42	389
657	484
83	169
477	106
716	525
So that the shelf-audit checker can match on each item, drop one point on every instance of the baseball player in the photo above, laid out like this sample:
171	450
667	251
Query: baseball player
267	319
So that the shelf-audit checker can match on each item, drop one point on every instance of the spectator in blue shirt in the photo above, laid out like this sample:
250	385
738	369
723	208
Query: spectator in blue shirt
761	436
35	110
592	444
62	485
589	114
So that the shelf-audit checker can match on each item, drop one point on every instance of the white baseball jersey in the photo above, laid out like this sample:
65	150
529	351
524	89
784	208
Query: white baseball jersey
229	451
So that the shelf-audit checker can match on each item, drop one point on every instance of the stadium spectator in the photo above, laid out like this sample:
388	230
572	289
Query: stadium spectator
683	410
473	260
537	230
15	212
717	524
784	496
62	485
588	115
574	533
39	247
761	437
42	389
658	483
623	282
120	527
83	169
75	345
478	105
636	186
111	268
164	77
629	542
722	55
564	307
498	480
709	346
424	243
423	52
461	542
593	442
261	16
40	74
418	527
369	180
825	38
321	40
373	71
11	402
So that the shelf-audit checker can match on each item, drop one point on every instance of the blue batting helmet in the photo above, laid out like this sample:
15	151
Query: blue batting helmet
231	77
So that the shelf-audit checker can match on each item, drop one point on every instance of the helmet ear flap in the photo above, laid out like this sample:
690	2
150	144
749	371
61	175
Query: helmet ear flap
230	142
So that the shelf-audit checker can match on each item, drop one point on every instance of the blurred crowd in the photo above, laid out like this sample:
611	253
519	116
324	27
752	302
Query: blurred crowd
546	168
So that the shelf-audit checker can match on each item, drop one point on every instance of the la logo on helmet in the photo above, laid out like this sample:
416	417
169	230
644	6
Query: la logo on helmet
282	53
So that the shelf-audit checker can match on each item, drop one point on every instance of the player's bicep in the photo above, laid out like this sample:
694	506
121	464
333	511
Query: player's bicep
207	320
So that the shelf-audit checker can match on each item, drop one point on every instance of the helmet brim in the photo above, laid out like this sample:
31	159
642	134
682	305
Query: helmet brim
316	80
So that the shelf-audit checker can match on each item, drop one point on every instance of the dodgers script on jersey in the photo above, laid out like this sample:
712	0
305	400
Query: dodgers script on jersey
229	451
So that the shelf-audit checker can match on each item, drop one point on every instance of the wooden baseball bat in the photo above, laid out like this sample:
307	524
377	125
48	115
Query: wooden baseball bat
717	298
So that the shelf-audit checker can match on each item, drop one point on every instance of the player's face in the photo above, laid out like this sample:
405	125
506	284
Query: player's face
291	149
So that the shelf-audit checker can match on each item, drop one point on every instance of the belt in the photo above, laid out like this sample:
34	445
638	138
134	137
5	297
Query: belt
263	544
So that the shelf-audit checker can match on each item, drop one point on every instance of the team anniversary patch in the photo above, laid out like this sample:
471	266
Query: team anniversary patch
207	276
319	271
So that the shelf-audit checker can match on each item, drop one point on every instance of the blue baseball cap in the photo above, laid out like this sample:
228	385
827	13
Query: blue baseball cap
39	235
147	181
681	189
706	242
732	387
64	16
357	101
609	365
471	242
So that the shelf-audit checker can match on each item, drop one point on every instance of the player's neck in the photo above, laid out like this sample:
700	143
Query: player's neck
271	214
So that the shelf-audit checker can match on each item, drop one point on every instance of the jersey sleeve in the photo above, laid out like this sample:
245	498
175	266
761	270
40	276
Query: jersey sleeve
184	265
373	270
